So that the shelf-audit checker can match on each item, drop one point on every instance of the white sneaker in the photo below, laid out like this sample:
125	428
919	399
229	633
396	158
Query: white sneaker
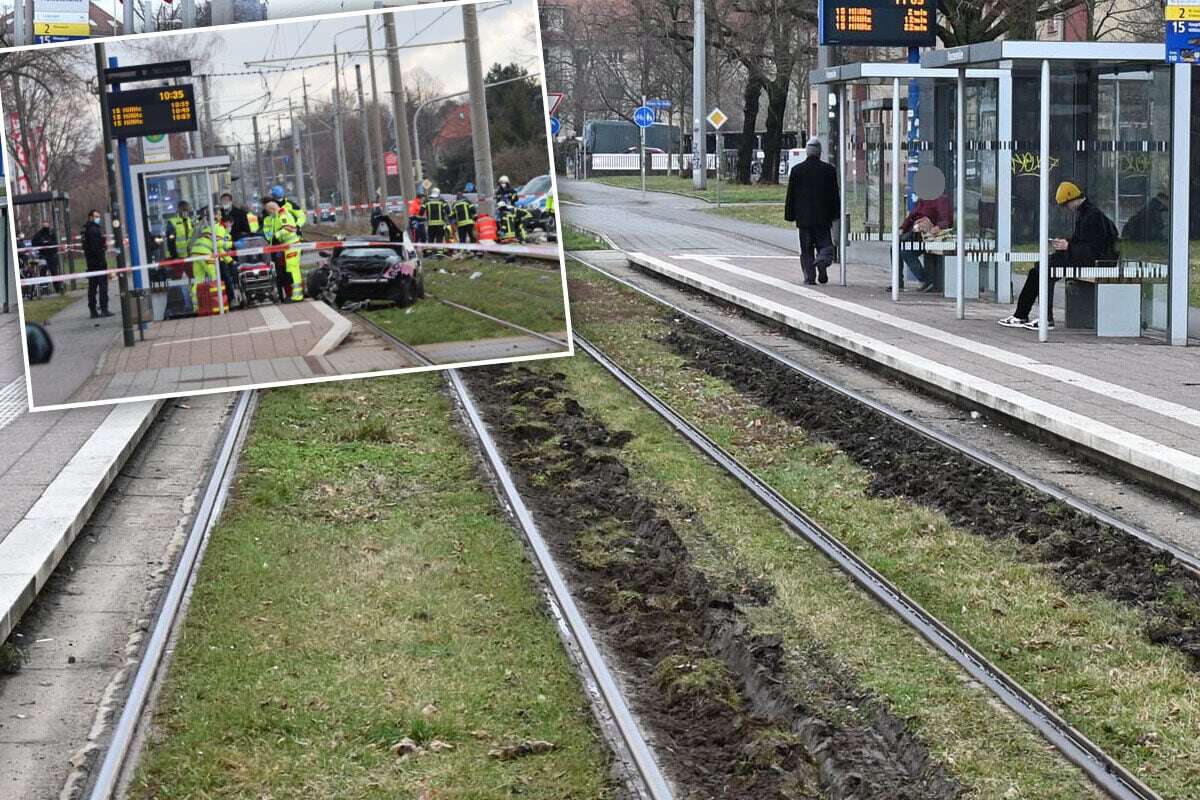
1012	322
1033	325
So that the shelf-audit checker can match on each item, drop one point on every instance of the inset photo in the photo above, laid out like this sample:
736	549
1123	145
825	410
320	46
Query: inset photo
262	205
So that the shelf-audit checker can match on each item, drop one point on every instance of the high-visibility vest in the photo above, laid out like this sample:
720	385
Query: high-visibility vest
436	210
273	227
181	230
252	221
202	244
463	212
550	202
485	228
299	215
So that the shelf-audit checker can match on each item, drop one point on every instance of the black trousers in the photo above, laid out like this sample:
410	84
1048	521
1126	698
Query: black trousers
816	250
466	233
98	294
437	233
1029	292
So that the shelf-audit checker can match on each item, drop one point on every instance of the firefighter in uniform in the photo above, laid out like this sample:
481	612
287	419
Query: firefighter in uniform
206	271
299	215
505	193
509	230
464	218
179	231
437	217
280	228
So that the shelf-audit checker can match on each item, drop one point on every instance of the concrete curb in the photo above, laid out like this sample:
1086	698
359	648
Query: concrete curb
336	335
34	547
1176	466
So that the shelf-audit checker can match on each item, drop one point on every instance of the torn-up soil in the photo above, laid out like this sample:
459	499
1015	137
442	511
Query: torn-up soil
1085	554
723	709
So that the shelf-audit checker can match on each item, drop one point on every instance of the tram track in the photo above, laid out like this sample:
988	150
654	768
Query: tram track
1103	770
114	767
1187	559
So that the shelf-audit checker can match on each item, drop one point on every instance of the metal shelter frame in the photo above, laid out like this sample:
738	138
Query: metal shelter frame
841	77
1008	55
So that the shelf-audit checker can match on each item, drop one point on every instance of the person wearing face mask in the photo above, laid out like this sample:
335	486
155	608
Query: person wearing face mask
235	217
96	259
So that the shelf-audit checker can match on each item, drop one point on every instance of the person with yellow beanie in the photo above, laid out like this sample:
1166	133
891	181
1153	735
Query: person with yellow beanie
1095	238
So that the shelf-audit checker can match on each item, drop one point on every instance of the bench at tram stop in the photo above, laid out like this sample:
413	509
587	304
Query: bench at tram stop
1108	298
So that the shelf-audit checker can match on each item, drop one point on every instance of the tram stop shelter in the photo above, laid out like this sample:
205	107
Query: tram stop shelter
1112	117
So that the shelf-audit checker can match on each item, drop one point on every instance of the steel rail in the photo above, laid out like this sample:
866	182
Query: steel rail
213	501
643	758
1101	768
514	326
978	455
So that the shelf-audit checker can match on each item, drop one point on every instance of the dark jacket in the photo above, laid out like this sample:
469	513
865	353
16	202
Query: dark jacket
812	196
93	246
1095	237
49	253
239	223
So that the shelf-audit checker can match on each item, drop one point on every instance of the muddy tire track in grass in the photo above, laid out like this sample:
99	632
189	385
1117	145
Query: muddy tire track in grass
725	712
1086	555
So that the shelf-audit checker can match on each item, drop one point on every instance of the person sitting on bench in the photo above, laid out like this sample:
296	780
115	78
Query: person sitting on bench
930	215
1094	239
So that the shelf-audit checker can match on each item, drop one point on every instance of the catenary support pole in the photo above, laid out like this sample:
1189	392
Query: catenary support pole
338	135
222	12
408	187
127	16
376	127
1044	300
312	154
369	173
1004	190
189	13
896	190
258	161
960	192
699	101
481	136
114	202
298	156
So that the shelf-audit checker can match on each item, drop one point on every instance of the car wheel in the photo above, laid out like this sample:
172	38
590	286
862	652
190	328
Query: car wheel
315	284
402	295
420	284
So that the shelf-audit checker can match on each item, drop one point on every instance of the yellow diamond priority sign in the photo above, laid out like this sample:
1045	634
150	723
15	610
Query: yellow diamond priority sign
717	118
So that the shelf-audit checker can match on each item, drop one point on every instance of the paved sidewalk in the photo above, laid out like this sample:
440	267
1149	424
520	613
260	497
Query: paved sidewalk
54	466
1135	400
262	344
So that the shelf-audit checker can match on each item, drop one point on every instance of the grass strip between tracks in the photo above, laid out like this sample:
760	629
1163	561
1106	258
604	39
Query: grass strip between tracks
363	587
730	192
529	295
1083	654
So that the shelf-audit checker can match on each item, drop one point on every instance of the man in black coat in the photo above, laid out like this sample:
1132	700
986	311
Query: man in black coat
96	259
239	223
48	241
813	203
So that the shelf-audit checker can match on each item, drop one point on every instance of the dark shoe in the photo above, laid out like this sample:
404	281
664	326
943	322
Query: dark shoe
95	314
106	313
822	275
810	283
927	287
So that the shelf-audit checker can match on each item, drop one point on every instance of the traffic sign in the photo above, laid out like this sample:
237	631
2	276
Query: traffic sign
663	104
717	118
556	99
142	112
391	163
643	116
555	126
1181	20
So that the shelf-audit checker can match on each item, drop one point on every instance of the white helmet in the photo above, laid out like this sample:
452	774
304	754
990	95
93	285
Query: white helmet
504	179
436	192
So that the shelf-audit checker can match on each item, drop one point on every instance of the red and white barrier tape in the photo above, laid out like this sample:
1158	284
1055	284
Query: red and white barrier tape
507	249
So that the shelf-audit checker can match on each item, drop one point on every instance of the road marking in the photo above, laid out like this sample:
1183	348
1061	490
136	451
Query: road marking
274	317
1177	465
13	402
1175	411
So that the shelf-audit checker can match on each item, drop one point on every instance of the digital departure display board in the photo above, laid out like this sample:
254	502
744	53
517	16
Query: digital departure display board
146	112
878	23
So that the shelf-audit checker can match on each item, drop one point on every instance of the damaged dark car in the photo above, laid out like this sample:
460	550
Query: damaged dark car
367	269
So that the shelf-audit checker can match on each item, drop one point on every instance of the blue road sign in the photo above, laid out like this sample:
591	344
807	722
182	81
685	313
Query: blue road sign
643	116
661	104
555	126
1183	41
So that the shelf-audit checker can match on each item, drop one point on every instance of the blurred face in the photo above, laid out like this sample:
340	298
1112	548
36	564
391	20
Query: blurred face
185	210
271	208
